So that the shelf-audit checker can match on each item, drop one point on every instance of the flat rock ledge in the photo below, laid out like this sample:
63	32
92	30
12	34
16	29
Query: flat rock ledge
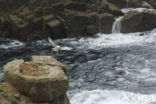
40	81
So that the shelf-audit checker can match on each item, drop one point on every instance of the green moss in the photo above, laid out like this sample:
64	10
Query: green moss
12	101
1	90
40	64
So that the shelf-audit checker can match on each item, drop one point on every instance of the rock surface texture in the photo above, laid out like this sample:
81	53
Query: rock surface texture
38	19
135	21
43	80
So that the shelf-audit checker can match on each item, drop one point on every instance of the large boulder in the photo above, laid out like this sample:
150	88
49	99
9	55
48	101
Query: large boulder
138	21
42	80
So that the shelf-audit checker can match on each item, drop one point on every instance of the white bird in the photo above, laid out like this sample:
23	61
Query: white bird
56	47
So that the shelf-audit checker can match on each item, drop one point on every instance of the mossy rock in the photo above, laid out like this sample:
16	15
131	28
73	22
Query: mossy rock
40	81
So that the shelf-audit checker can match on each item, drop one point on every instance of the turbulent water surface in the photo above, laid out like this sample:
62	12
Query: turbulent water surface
102	68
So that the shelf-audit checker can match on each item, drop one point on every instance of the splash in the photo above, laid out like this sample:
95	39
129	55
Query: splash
117	25
111	97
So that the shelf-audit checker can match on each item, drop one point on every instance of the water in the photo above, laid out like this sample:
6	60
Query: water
117	25
144	3
127	3
100	68
103	69
111	97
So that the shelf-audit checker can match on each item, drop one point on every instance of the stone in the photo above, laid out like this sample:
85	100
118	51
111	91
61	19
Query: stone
92	30
135	21
56	28
12	93
42	80
10	67
78	6
49	60
106	21
115	10
124	3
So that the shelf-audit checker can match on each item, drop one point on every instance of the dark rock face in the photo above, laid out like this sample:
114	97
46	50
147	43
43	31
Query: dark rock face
126	3
38	19
106	22
135	21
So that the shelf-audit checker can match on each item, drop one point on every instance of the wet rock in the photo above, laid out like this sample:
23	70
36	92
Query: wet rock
38	19
78	6
106	21
126	3
42	80
152	3
136	21
78	23
115	10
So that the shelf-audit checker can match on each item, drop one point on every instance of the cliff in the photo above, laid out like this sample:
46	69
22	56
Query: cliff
38	19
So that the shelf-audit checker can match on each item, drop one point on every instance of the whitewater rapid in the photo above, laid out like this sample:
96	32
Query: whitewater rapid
112	97
101	67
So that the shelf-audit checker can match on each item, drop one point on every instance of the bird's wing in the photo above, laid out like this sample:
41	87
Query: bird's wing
52	42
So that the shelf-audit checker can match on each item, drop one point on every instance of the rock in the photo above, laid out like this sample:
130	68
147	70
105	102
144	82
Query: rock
136	21
20	29
78	6
151	2
106	21
10	67
110	8
37	19
115	10
125	4
49	60
9	92
92	30
5	26
42	80
54	28
9	5
78	24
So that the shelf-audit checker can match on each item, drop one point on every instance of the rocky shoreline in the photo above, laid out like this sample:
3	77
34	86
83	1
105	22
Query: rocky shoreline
40	81
37	19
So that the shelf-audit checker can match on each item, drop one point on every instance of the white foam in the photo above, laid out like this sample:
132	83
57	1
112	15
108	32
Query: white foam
116	40
117	25
144	3
111	97
66	48
125	10
11	44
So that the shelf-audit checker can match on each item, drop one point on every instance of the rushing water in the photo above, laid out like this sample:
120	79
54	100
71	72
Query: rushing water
104	69
144	3
127	3
101	68
117	25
